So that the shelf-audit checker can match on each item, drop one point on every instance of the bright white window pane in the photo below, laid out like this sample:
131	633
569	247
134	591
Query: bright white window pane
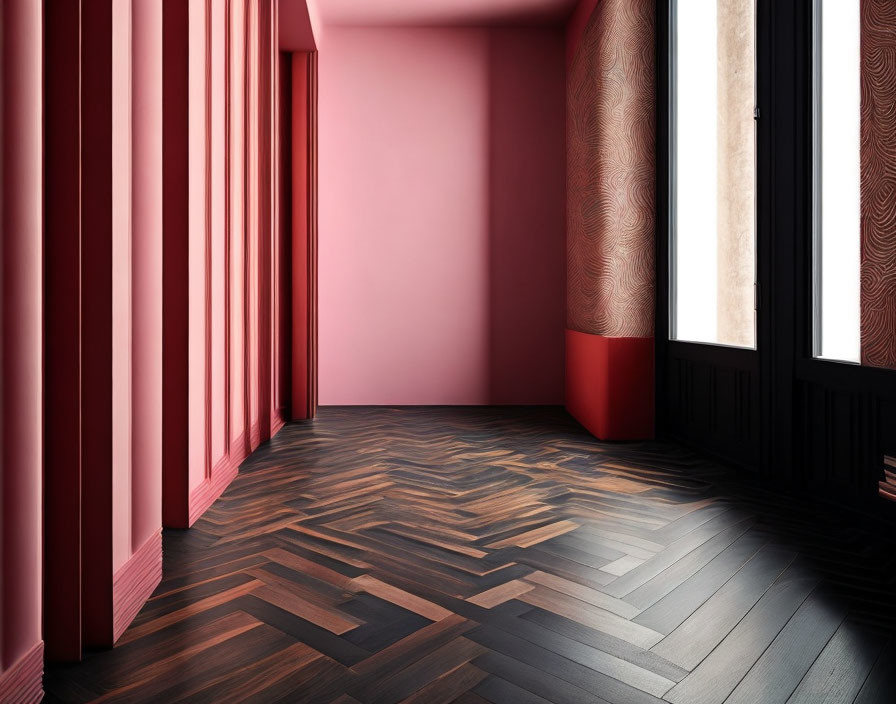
713	231
837	189
696	126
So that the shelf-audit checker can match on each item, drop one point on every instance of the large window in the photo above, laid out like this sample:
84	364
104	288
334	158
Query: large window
713	172
837	179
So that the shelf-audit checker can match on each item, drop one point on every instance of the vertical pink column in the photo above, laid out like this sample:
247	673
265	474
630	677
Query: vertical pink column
146	487
20	400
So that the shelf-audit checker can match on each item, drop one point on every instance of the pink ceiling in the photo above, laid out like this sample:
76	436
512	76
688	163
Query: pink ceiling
443	12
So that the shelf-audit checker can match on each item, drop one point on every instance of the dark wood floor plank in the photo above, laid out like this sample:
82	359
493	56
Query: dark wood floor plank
674	552
448	687
717	676
592	616
630	671
530	680
551	663
206	670
673	576
494	689
581	592
778	672
319	638
609	644
880	685
669	613
695	638
839	672
426	670
602	547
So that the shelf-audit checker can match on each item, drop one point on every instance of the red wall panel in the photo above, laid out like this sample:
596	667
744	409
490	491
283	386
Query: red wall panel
20	350
610	384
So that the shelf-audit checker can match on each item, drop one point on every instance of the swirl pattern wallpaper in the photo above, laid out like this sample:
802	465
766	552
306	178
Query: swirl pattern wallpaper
879	183
611	173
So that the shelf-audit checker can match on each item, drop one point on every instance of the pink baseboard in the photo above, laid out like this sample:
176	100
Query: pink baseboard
277	422
254	436
23	682
226	470
134	583
208	492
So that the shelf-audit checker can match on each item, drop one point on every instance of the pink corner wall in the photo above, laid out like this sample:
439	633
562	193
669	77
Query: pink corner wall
441	254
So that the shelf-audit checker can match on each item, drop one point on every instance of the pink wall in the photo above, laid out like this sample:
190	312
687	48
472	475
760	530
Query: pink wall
527	267
441	216
20	350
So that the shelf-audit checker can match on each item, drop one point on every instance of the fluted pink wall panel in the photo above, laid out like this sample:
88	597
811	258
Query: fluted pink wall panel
104	324
220	288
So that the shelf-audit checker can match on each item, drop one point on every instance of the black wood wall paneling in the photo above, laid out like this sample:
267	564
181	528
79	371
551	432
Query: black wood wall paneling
814	427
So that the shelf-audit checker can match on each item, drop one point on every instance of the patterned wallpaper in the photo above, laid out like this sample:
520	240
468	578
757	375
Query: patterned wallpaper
611	153
879	183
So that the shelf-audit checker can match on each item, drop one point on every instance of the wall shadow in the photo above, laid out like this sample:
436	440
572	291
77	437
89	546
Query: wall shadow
527	201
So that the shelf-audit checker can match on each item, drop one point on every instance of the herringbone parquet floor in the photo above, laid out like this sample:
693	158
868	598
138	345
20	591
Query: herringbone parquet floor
468	555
